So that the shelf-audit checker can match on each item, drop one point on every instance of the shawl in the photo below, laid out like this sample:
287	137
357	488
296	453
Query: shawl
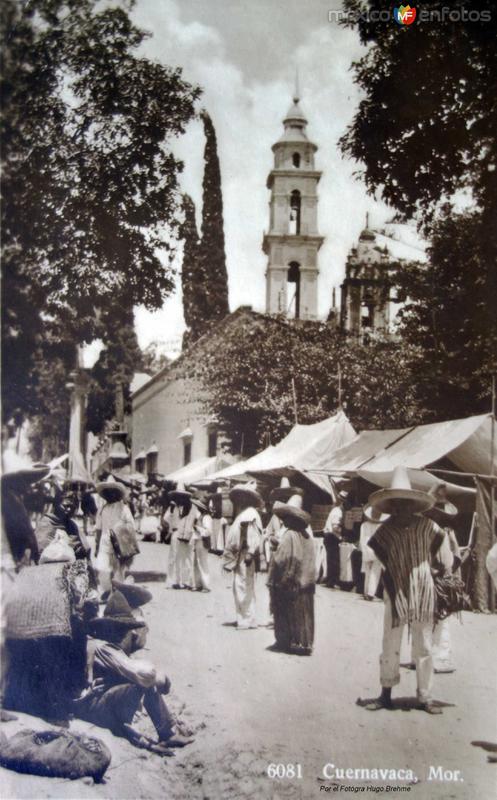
406	555
240	544
293	567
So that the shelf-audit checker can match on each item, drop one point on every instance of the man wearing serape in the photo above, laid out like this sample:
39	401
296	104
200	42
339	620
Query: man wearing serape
292	580
406	545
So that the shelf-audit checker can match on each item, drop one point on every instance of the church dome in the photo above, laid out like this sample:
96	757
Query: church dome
367	235
295	115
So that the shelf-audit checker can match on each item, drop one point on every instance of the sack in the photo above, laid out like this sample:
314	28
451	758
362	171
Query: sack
150	525
55	754
450	597
124	542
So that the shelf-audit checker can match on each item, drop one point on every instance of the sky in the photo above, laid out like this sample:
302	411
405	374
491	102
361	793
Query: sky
244	55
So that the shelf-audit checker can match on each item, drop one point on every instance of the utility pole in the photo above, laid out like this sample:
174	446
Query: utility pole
339	376
294	394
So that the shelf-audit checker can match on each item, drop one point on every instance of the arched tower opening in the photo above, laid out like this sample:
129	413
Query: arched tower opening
295	207
293	290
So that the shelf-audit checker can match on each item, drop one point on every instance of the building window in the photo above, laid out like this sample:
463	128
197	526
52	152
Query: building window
187	452
294	227
212	442
296	160
152	463
140	465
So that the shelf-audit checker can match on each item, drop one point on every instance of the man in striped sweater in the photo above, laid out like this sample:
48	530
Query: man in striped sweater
406	544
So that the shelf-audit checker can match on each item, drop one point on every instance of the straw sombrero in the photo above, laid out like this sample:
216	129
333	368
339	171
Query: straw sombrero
16	468
179	495
292	513
415	501
284	492
109	484
117	614
135	595
245	491
199	503
367	512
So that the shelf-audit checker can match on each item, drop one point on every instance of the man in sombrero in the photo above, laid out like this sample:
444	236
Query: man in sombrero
242	549
118	685
114	525
406	544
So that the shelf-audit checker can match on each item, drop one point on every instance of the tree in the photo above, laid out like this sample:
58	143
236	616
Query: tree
193	278
444	320
212	247
153	359
114	369
422	138
248	382
89	182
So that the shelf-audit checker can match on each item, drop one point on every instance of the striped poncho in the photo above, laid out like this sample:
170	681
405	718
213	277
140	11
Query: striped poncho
407	554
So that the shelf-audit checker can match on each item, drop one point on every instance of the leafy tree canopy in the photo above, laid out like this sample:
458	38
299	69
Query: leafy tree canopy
427	125
89	183
445	318
248	380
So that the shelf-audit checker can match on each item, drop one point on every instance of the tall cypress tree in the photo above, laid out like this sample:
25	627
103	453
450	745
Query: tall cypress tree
192	275
212	248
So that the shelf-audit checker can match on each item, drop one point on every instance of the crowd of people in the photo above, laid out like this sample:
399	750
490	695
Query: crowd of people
72	625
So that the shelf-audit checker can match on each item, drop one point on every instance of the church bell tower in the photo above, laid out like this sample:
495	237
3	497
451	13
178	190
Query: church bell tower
292	242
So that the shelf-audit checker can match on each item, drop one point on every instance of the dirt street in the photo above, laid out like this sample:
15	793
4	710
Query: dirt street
251	708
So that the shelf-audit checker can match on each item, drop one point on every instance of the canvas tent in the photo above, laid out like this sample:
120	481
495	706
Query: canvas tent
198	470
302	448
461	445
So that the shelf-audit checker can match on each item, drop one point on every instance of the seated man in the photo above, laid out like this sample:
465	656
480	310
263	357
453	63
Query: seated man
119	684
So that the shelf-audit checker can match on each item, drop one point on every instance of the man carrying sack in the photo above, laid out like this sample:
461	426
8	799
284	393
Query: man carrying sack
406	545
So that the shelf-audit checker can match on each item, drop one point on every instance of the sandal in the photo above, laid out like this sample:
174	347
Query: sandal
374	704
431	708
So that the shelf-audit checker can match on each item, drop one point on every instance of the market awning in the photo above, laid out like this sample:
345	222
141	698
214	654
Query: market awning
303	447
463	443
198	470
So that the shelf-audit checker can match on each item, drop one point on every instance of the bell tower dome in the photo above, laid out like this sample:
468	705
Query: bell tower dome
292	241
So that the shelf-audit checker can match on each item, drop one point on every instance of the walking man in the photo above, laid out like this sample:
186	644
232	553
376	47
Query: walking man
406	545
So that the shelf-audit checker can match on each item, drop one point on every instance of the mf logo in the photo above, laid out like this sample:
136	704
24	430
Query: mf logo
404	15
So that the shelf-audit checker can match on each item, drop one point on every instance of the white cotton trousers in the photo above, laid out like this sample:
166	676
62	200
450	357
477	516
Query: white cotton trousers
184	564
421	633
244	594
372	574
201	565
442	651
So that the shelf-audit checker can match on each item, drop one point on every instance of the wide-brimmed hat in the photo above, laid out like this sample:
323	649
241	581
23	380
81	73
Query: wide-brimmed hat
117	614
19	469
284	492
110	484
443	512
415	500
292	513
179	495
367	512
135	595
200	504
245	491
